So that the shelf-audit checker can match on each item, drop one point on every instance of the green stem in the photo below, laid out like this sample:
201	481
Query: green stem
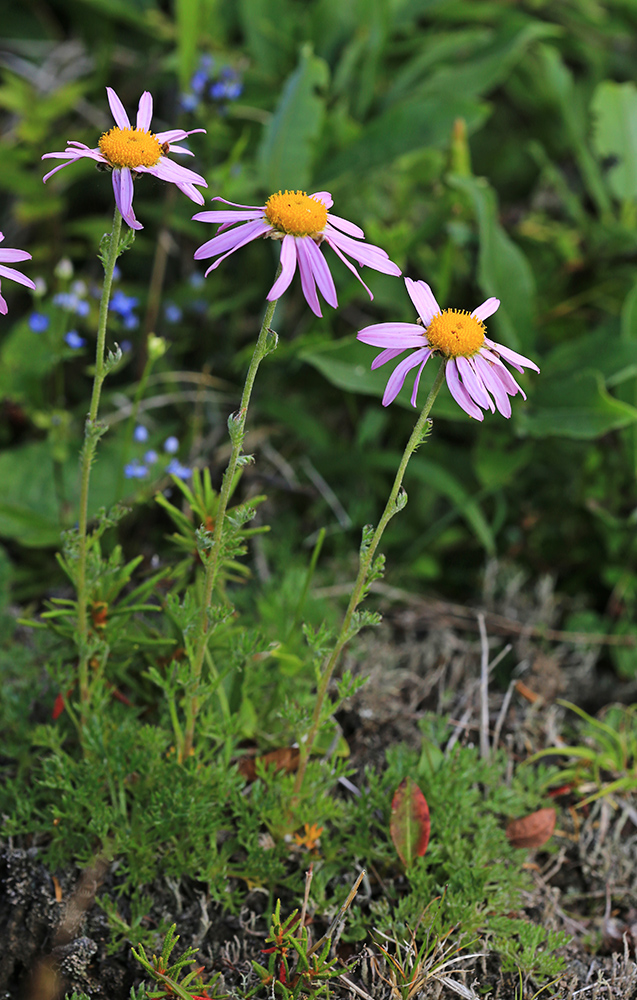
236	424
91	437
365	564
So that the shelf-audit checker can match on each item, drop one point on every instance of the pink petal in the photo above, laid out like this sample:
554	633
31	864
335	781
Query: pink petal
288	267
307	275
9	256
10	272
345	226
117	109
4	308
486	309
385	356
123	191
424	300
228	217
321	272
473	384
397	378
166	170
347	263
494	385
231	240
323	196
191	192
145	111
515	359
414	394
365	253
393	335
236	204
459	392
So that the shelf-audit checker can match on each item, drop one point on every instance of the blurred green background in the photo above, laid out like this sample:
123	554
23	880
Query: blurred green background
490	146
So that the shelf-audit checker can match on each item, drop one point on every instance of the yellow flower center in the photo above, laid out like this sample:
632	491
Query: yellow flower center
455	333
130	147
295	213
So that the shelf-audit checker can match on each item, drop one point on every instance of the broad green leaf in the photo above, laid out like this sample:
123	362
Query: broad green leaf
347	364
287	147
614	109
503	270
268	28
615	357
25	360
408	126
578	406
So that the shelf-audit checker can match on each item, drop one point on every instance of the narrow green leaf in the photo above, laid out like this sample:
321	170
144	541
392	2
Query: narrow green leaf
614	109
287	147
503	270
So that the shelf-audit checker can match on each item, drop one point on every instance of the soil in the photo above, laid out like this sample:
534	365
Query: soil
55	937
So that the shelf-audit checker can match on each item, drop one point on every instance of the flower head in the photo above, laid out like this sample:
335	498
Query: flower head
474	366
8	256
301	222
128	151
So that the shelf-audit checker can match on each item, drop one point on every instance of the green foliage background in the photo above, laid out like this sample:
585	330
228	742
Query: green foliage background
489	147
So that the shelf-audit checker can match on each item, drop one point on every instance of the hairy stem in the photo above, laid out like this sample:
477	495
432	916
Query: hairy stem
213	562
365	564
91	437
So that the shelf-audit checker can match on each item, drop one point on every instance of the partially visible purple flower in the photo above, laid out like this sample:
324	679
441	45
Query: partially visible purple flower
175	468
38	322
140	434
474	368
73	339
302	223
171	445
129	151
9	256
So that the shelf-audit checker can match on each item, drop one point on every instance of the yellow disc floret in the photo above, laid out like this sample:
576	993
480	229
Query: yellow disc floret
456	334
295	213
130	147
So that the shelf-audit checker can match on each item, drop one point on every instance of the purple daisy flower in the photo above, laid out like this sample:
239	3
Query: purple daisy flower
8	256
129	151
474	366
301	222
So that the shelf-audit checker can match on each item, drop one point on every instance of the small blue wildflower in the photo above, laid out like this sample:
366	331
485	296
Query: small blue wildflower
175	468
171	445
189	102
126	346
196	280
38	322
121	303
218	90
130	322
150	457
74	340
140	434
172	312
135	470
116	273
82	307
198	81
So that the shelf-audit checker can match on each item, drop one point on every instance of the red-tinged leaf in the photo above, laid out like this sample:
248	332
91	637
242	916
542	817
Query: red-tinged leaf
58	704
409	826
532	830
283	759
